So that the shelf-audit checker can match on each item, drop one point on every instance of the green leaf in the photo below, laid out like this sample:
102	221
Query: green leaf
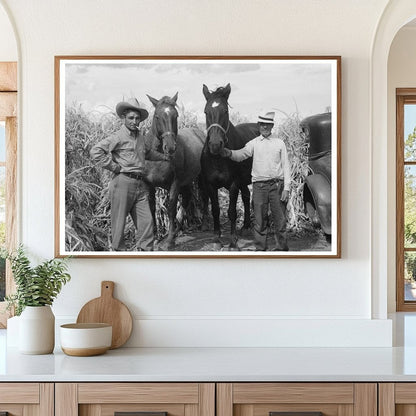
35	286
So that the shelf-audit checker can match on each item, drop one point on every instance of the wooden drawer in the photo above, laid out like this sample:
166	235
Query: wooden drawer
332	399
104	399
397	399
27	399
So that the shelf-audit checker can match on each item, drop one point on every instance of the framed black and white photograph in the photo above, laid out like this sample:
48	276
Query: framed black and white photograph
198	156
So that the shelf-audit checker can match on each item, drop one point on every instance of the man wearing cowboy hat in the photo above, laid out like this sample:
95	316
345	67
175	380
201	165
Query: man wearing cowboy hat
124	154
271	181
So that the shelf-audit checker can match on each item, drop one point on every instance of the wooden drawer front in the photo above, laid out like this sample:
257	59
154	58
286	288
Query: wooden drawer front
138	393
19	393
13	409
397	399
293	393
111	409
405	393
296	408
104	399
331	399
27	399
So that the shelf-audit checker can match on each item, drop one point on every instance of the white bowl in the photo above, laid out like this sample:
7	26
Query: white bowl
83	340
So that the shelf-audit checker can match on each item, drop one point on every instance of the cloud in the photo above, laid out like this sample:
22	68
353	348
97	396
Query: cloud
77	69
255	86
204	68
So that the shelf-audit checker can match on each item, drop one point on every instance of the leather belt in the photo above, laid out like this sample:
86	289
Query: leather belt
132	175
276	180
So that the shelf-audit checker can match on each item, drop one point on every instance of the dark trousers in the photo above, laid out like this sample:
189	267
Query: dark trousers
130	196
265	194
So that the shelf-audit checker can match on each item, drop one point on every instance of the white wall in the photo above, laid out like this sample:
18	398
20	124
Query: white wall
8	47
212	302
401	74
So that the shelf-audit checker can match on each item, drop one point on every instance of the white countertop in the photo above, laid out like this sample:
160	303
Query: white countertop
222	364
215	364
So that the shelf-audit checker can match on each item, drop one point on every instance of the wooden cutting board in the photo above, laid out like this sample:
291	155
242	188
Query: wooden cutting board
108	310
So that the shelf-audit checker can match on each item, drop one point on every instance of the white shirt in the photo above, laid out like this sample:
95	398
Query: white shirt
270	159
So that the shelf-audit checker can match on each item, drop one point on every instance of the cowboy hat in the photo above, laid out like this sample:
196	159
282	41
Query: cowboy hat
131	104
266	118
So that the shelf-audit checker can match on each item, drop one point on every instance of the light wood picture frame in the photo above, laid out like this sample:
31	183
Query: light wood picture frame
211	104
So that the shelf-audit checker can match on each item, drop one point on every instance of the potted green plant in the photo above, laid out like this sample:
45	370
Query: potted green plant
36	289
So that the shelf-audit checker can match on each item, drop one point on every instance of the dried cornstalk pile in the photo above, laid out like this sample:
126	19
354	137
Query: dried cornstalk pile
86	229
289	131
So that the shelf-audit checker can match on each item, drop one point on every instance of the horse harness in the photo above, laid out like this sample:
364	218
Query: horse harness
164	134
225	131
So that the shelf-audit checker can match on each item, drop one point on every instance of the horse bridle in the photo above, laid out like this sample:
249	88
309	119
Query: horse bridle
167	133
163	135
225	131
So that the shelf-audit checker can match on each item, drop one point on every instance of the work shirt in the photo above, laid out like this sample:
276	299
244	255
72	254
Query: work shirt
124	149
270	159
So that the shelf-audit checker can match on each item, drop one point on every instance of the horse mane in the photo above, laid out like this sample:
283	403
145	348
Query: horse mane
219	92
167	100
153	129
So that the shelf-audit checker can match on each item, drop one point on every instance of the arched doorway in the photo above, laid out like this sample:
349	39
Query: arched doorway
395	16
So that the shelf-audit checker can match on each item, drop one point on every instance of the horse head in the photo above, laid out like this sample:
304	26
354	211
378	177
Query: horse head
217	117
165	122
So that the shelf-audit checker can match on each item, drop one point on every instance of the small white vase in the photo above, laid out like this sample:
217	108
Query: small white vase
37	330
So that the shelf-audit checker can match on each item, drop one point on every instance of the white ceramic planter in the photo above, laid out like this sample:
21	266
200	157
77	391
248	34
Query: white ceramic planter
37	330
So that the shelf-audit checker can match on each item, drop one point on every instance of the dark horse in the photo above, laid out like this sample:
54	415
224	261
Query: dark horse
184	151
218	172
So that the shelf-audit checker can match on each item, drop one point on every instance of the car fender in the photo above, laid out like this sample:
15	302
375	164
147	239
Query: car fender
320	189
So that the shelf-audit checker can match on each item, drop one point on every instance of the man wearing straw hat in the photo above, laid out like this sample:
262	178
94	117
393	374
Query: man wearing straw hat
271	181
124	154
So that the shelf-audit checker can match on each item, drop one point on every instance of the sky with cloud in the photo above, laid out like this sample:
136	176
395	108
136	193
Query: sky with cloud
308	87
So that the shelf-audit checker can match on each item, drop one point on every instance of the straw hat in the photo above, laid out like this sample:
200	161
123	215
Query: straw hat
131	104
266	118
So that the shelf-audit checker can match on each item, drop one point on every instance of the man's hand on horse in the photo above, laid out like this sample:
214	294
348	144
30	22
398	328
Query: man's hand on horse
225	152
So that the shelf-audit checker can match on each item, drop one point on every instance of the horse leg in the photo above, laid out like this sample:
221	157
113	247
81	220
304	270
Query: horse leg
152	205
186	192
173	201
215	209
245	196
203	191
232	213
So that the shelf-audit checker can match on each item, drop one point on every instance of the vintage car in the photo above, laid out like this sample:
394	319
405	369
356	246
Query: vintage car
317	189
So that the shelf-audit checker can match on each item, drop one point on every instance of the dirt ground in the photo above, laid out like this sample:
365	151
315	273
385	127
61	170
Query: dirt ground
196	240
